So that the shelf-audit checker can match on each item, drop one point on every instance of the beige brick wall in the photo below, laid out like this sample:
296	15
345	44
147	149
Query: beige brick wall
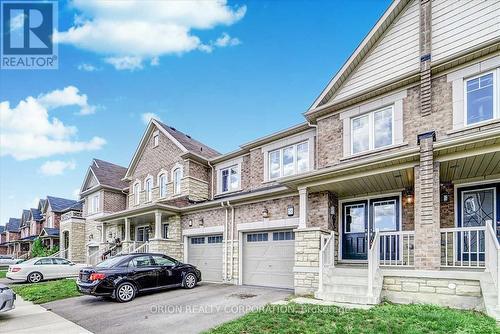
77	240
113	201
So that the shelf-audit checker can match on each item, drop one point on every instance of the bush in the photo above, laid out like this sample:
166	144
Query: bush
39	250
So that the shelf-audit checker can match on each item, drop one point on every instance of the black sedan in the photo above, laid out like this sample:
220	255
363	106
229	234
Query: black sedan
122	277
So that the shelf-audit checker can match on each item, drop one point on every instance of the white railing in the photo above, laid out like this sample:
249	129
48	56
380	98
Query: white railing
134	247
463	247
326	256
492	257
71	214
144	248
397	248
373	262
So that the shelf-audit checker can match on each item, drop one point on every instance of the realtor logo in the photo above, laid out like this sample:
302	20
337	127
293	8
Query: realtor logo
27	35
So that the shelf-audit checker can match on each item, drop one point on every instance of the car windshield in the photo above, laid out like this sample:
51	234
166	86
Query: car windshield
109	262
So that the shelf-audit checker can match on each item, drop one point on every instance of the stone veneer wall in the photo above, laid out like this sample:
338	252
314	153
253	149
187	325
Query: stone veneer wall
76	230
306	269
457	293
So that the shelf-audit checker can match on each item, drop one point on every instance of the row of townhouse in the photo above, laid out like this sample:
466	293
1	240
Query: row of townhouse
19	234
389	189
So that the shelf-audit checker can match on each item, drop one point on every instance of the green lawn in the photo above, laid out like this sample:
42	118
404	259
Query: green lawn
45	292
385	318
3	273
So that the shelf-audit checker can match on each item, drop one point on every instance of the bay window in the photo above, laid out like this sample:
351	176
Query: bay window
479	98
372	130
230	179
289	160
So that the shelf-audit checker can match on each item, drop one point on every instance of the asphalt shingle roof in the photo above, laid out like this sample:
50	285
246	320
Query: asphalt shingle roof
37	214
13	225
25	217
60	204
109	174
51	231
192	145
2	228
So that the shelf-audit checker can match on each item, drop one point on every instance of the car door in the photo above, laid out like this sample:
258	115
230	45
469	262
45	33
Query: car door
46	267
168	274
143	271
64	268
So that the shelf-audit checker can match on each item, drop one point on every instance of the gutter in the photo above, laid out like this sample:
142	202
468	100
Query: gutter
212	177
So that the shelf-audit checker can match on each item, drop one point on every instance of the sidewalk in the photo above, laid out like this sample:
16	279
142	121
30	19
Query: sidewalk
30	318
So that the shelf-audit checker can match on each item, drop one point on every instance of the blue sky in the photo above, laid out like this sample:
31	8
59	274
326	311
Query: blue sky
250	71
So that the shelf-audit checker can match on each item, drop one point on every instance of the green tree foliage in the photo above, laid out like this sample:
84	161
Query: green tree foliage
39	249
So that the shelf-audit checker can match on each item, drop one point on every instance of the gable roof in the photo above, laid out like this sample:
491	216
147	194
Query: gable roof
25	217
36	214
2	228
58	204
109	174
78	206
49	231
41	204
358	55
13	225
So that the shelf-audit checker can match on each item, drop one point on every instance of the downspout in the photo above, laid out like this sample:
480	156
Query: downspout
232	242
315	144
212	181
225	243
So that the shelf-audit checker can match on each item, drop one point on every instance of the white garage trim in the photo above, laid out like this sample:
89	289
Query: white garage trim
268	225
203	230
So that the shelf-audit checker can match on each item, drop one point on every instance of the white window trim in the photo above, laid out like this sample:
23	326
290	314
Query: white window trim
163	230
160	174
156	138
137	229
148	196
219	177
137	195
181	168
295	169
92	209
371	126
496	93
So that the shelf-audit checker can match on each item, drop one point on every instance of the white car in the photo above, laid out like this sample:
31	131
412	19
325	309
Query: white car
43	268
6	260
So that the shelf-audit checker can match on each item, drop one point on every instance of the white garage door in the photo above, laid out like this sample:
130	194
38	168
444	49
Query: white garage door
268	258
205	252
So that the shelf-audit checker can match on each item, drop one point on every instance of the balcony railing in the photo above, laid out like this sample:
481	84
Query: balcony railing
397	248
71	214
463	247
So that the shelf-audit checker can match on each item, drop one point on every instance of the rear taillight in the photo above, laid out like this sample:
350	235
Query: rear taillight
97	276
15	269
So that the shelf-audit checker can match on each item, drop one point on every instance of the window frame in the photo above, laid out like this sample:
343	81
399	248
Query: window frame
295	161
136	192
94	207
356	205
177	183
160	184
164	230
496	107
237	167
148	192
156	139
371	130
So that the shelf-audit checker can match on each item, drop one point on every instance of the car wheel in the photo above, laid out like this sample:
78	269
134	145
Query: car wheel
35	277
125	292
190	281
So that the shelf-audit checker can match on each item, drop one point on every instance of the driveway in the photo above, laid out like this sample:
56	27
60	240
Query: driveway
176	311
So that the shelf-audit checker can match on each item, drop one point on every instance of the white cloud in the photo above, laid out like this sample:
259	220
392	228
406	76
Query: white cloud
146	117
56	167
68	96
87	67
226	40
27	131
129	32
76	193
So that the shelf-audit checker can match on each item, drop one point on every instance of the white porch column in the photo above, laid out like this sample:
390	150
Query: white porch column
103	233
157	225
303	207
127	230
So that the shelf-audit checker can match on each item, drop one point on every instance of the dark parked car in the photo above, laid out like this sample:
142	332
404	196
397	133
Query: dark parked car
123	276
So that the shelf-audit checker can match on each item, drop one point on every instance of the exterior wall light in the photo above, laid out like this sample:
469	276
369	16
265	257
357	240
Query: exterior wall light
409	196
201	222
265	213
290	210
445	196
190	222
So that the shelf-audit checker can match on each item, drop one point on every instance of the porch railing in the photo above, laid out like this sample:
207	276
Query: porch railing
71	214
326	256
463	247
373	262
397	248
493	257
135	247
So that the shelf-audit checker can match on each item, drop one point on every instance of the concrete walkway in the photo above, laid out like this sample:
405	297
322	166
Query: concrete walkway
30	318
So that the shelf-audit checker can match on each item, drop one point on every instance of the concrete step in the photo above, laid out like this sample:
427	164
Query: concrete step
343	271
352	289
490	298
356	280
349	298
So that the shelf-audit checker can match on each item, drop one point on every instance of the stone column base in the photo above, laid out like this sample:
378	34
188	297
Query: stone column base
170	247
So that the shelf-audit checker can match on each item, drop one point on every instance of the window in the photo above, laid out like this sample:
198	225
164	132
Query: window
254	237
164	231
141	261
373	130
285	235
148	185
230	179
177	176
355	215
215	239
479	97
44	261
162	182
163	261
197	241
156	137
61	261
137	189
142	233
289	160
94	204
384	215
49	222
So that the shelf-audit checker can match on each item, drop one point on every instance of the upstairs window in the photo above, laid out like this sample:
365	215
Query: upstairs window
137	189
148	186
162	183
372	130
479	99
94	204
156	139
289	160
50	222
177	176
230	179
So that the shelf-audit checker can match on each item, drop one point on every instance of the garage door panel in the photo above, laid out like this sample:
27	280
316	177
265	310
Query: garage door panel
268	263
207	257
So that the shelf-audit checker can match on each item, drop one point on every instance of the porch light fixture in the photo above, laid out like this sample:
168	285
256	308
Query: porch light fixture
290	210
265	213
190	222
445	196
409	196
201	222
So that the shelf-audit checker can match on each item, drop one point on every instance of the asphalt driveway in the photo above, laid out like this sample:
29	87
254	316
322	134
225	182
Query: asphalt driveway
171	311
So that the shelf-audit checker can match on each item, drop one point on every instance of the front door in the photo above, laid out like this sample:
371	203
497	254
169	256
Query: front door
355	230
142	234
